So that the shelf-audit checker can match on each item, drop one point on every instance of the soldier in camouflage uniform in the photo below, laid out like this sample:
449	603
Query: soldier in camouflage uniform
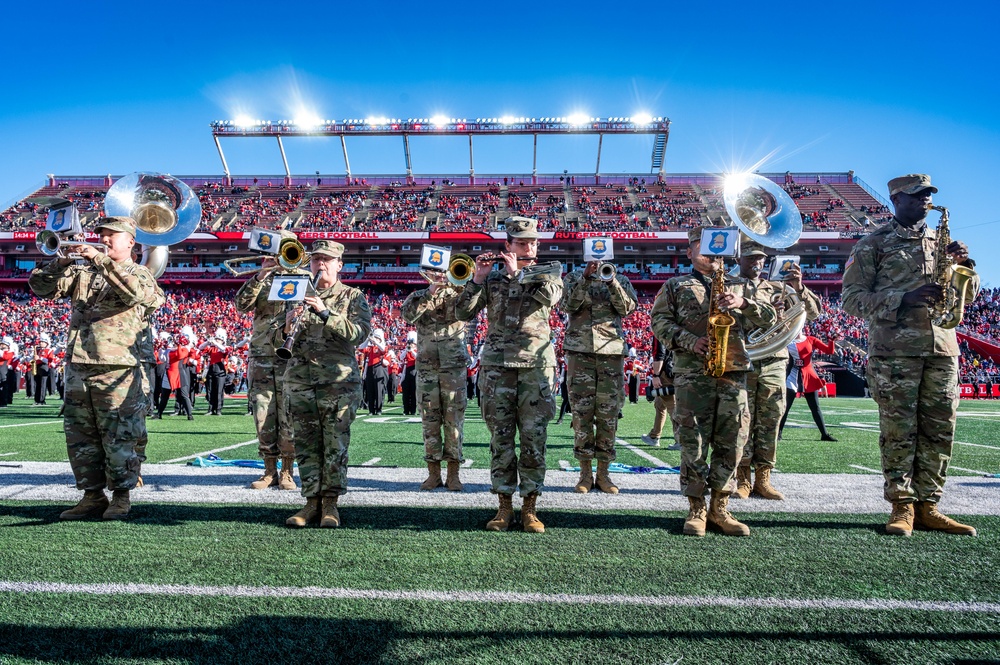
766	380
147	356
517	367
322	384
105	403
912	364
595	353
711	413
442	359
274	434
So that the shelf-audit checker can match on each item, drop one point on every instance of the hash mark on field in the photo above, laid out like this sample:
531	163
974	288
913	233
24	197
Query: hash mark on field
958	468
977	445
563	464
372	462
44	422
209	452
503	597
864	468
7	454
468	463
641	453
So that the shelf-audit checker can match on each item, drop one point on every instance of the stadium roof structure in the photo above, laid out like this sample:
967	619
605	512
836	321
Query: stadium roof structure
658	126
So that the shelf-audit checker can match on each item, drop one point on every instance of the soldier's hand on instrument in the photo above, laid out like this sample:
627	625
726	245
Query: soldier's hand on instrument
794	278
928	294
959	251
290	317
267	266
701	346
484	266
315	303
509	262
88	252
591	269
731	301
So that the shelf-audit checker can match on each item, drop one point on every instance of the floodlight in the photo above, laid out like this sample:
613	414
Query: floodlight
642	118
377	121
577	119
439	121
243	121
507	120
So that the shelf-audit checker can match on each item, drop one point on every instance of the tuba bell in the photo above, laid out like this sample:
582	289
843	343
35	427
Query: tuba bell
166	211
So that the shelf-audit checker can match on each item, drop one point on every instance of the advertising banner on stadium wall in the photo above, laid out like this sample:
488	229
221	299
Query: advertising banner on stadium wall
979	390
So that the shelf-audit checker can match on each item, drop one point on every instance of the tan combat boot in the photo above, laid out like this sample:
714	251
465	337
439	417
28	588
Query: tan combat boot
719	515
586	482
286	479
901	520
330	515
93	504
501	521
743	485
694	525
433	477
762	485
308	514
119	506
929	518
270	477
529	519
452	482
604	479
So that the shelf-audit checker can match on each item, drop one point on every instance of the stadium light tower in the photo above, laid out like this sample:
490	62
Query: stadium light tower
439	125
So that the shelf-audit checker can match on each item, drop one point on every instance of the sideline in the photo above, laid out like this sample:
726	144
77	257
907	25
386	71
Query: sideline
502	597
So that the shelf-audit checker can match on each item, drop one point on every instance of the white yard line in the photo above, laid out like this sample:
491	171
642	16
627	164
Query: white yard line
864	468
8	454
468	463
372	462
564	464
977	445
958	468
209	452
502	597
640	452
44	422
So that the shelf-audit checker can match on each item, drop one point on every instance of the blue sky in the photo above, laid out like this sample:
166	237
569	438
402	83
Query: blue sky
881	88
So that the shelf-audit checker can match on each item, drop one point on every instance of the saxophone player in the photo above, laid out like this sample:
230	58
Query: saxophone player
711	410
766	379
912	364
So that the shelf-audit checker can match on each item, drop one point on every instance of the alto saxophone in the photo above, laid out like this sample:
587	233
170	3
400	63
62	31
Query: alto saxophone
719	323
953	279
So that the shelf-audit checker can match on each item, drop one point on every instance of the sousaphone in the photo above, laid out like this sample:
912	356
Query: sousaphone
166	211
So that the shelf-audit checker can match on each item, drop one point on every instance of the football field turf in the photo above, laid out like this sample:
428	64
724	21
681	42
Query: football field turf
419	584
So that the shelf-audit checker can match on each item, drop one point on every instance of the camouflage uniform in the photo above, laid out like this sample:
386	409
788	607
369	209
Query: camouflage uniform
322	387
912	365
595	350
663	404
710	411
274	435
517	372
104	418
442	359
147	356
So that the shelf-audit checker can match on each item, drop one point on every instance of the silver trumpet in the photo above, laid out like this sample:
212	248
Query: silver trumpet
606	272
51	243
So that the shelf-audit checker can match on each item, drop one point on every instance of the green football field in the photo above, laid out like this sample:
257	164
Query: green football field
228	583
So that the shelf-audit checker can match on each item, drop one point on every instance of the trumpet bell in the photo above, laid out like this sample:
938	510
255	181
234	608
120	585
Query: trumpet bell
166	211
461	269
292	254
762	210
606	272
47	242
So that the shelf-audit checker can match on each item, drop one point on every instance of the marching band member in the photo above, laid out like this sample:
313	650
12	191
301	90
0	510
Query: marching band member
40	364
376	376
802	377
322	384
215	377
410	375
6	368
594	344
518	367
442	359
176	377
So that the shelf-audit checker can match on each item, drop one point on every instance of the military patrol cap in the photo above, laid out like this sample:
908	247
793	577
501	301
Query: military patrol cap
328	248
911	184
118	224
521	227
751	248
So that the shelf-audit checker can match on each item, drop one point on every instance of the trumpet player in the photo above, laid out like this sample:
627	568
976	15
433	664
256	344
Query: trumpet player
105	403
766	378
441	361
595	353
518	366
710	412
274	435
889	280
322	384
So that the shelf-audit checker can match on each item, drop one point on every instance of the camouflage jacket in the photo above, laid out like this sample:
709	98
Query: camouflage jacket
324	353
440	335
147	353
767	291
882	268
518	315
267	314
596	309
680	318
110	303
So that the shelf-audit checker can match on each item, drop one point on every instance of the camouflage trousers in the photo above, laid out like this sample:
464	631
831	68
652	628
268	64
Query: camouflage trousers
766	398
517	401
148	372
441	394
274	436
917	400
321	417
104	420
711	415
596	395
